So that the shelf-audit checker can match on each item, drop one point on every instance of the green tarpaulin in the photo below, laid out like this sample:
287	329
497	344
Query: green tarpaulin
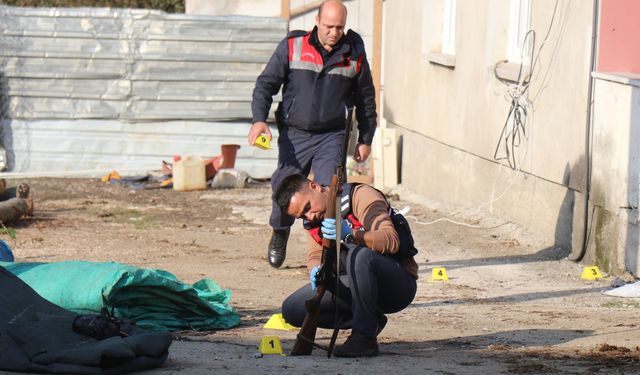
153	299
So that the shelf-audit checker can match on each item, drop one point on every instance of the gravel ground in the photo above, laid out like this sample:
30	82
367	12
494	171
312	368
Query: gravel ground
512	305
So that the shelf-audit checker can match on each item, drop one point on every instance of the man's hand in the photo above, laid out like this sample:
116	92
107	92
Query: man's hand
257	129
329	229
362	152
313	277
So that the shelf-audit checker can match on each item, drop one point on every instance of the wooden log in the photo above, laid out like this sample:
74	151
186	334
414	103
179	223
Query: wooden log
15	208
20	191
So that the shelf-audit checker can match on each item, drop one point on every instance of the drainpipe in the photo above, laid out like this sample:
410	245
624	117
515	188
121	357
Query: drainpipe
587	142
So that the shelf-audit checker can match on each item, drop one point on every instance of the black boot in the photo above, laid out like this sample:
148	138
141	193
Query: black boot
382	321
278	247
357	345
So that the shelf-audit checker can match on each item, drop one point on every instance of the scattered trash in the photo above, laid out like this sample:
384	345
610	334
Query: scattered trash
230	178
229	153
212	166
627	291
167	168
113	175
189	173
167	183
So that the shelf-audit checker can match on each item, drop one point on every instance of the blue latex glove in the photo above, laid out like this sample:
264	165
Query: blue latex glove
329	229
313	275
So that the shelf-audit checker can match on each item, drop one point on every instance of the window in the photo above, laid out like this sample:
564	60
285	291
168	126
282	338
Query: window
439	32
449	28
519	24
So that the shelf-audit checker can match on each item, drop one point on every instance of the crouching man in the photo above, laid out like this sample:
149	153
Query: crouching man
378	273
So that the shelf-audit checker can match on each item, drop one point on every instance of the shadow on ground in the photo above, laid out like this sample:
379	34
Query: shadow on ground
507	298
547	254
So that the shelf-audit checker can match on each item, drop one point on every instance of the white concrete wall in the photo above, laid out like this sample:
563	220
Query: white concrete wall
451	119
616	173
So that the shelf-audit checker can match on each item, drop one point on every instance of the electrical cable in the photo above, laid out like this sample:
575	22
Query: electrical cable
514	130
415	220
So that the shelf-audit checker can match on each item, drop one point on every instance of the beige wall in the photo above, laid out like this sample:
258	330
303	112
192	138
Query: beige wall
451	119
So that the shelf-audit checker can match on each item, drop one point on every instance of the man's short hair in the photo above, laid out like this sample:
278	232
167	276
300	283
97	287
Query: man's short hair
287	189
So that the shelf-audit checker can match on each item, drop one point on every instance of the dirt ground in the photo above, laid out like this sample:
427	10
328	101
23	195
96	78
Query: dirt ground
513	304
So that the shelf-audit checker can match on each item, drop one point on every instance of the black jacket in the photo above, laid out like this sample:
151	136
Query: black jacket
315	93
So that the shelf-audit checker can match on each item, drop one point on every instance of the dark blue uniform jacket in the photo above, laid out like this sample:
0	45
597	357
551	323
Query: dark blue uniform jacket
318	85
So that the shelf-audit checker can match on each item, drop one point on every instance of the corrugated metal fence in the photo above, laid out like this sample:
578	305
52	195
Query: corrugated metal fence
96	88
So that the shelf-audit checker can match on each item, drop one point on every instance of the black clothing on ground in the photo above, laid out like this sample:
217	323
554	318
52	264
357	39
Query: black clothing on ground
37	336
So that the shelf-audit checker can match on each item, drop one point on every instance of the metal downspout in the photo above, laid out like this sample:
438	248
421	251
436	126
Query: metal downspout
592	63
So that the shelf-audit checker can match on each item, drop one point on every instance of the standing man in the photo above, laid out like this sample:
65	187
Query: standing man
321	72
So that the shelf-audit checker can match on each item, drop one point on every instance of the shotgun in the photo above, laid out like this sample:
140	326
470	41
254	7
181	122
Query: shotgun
305	340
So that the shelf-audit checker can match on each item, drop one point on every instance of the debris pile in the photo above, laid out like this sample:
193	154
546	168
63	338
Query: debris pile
187	173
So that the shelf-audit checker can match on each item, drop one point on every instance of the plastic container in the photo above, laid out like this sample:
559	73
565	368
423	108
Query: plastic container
5	252
189	174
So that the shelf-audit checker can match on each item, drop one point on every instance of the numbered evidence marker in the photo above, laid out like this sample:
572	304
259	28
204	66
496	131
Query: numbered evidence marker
270	345
591	273
277	322
439	274
263	142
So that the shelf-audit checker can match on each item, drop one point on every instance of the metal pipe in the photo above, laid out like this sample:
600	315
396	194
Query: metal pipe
592	64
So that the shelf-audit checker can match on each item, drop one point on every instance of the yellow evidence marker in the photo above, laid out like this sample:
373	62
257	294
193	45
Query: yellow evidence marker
591	273
270	345
439	274
263	142
277	322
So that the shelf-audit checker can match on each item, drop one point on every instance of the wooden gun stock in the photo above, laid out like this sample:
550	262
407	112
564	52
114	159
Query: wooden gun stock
305	341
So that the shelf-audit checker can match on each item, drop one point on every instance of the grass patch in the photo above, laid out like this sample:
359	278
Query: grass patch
621	304
9	232
134	217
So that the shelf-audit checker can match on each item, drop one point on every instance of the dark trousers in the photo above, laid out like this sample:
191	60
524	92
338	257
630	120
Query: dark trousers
374	284
302	152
